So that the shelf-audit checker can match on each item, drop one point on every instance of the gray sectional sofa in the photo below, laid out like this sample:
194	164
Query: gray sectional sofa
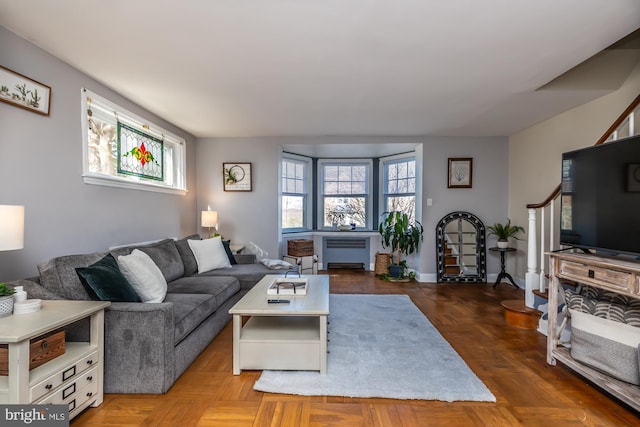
149	345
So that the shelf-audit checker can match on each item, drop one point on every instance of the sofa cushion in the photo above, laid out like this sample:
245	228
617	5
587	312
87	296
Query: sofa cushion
104	281
166	256
222	287
59	276
247	274
144	276
189	311
210	254
188	259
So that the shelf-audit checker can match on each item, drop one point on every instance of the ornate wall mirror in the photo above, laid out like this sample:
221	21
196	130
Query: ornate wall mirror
461	248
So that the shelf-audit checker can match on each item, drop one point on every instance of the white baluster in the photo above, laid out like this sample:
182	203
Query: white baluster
552	244
532	277
542	246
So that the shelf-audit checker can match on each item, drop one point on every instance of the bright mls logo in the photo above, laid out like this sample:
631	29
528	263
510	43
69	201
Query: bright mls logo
34	415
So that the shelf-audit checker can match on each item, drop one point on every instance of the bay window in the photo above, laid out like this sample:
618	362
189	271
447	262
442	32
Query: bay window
399	185
295	193
344	189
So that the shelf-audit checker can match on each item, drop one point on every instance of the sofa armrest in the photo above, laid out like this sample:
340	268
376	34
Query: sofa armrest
139	347
34	290
245	258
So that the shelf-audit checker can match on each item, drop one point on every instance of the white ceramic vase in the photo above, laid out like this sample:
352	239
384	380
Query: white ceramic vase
503	243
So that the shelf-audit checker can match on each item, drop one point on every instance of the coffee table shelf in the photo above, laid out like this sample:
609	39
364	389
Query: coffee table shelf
284	343
282	336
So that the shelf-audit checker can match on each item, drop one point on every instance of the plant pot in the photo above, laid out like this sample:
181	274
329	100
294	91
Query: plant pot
503	243
6	305
396	270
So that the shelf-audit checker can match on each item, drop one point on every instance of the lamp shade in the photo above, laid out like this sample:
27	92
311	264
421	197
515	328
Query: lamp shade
11	227
209	218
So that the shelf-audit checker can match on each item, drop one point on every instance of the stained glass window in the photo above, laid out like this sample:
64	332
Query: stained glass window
140	154
123	150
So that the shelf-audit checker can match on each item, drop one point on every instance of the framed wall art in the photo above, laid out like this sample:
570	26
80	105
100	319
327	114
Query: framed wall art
236	176
460	172
23	92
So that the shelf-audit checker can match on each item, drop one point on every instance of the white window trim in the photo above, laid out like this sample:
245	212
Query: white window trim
150	128
309	208
320	208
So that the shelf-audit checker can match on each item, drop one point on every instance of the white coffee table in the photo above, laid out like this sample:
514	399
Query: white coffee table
289	336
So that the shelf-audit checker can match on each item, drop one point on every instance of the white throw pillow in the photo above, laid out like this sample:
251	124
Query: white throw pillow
277	264
144	276
209	254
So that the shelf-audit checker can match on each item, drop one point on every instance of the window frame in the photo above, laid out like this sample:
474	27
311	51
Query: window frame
384	180
308	195
368	195
178	144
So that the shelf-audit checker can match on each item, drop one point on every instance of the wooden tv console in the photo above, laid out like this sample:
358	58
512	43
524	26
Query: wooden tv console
612	274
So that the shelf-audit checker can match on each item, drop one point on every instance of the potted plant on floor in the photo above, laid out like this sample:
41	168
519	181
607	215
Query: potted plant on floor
503	232
403	237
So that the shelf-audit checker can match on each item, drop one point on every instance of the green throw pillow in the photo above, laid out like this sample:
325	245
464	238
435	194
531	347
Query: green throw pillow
227	249
104	281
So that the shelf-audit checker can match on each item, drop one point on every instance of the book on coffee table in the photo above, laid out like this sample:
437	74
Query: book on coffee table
288	286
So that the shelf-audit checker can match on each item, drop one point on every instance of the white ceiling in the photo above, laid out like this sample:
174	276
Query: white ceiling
337	67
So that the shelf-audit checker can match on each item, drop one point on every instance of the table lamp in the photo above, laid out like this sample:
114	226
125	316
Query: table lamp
11	227
209	219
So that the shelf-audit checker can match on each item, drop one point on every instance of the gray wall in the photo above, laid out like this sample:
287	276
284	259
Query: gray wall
243	217
41	168
487	199
253	216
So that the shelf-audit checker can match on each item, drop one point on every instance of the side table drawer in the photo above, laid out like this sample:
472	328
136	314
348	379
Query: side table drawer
72	390
606	278
79	402
64	375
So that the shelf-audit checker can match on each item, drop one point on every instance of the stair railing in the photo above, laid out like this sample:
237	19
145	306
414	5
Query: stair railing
543	222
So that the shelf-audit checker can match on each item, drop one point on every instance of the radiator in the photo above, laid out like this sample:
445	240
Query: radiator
345	252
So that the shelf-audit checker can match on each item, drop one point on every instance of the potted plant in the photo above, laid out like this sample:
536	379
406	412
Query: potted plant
402	237
504	231
6	299
336	217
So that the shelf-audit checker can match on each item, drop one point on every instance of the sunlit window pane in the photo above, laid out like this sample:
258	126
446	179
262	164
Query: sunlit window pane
294	193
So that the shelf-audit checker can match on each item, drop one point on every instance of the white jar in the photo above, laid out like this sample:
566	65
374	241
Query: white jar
20	295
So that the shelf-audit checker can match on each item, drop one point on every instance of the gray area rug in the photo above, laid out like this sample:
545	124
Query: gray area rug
382	346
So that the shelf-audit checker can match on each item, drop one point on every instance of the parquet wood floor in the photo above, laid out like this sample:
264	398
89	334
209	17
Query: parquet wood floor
510	361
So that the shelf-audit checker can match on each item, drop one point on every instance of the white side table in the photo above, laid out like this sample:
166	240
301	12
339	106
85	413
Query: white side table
236	248
304	264
74	378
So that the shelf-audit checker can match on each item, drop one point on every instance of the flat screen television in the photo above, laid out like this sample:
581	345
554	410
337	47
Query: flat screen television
600	198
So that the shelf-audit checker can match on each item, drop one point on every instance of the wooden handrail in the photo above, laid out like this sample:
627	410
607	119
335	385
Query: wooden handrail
634	104
546	202
619	120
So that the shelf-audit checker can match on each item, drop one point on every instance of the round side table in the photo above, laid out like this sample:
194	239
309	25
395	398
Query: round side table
503	273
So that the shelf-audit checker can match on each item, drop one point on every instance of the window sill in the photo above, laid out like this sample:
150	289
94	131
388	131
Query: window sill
331	233
119	183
